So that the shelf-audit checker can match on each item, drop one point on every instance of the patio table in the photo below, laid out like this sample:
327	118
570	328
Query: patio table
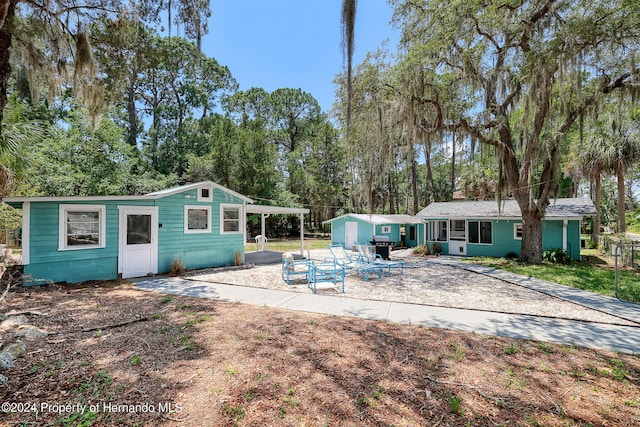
327	272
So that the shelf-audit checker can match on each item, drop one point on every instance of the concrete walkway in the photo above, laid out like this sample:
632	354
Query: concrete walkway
625	339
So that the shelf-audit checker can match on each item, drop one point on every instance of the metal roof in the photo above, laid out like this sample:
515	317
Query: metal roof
379	219
558	208
274	210
149	196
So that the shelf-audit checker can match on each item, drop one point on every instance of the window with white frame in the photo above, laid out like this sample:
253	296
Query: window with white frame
205	194
517	231
81	227
230	218
197	219
437	231
480	232
386	229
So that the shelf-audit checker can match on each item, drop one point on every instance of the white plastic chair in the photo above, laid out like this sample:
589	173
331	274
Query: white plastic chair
261	241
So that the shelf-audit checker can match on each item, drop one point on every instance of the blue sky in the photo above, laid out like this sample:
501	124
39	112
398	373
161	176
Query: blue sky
292	43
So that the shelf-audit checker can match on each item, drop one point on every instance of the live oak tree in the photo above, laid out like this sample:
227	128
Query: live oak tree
533	68
52	40
50	43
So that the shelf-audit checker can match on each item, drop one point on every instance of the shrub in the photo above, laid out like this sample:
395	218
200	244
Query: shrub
237	258
437	249
176	268
556	256
422	250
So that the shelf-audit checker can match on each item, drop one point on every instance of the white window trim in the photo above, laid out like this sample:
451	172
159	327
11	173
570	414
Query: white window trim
224	206
62	226
386	229
515	231
479	234
205	199
187	230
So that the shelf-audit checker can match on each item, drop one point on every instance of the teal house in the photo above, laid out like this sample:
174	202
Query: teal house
483	228
402	230
75	239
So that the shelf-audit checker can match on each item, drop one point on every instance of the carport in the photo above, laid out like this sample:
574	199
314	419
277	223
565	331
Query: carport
265	211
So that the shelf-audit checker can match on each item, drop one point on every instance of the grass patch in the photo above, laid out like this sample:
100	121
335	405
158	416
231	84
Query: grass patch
284	245
580	275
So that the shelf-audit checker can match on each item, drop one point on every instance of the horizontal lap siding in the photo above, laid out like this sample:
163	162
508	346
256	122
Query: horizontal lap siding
49	263
195	250
365	230
503	242
573	239
394	236
338	231
552	236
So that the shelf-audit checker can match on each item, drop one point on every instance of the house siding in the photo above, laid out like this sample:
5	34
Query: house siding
504	243
196	250
338	230
367	230
48	263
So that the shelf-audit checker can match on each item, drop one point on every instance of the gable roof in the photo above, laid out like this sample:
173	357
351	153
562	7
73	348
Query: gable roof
187	187
149	196
380	219
576	207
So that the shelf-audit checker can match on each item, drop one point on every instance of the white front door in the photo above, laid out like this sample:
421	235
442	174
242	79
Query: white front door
350	235
138	253
457	237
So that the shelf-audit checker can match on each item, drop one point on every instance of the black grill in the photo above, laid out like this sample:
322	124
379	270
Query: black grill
383	246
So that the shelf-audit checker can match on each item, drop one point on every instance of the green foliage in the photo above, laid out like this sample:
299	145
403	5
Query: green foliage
454	404
633	221
78	419
556	256
579	275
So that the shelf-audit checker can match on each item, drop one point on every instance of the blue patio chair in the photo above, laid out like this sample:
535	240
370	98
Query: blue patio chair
368	256
293	269
353	263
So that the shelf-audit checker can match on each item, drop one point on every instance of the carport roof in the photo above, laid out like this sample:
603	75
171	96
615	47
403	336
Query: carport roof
275	210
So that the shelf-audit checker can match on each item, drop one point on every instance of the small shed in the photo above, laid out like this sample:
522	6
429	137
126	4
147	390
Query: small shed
75	239
484	228
402	230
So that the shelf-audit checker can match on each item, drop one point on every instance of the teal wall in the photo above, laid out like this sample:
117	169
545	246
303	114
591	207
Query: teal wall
504	243
366	230
195	250
338	228
47	263
394	234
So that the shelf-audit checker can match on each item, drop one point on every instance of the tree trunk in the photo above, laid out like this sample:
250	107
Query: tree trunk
132	138
392	207
596	220
531	247
622	222
5	53
453	162
427	164
414	181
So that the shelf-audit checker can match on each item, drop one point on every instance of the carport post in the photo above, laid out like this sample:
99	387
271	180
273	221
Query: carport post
262	230
302	234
